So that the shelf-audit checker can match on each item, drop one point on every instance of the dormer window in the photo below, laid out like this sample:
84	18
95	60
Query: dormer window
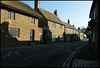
32	20
11	15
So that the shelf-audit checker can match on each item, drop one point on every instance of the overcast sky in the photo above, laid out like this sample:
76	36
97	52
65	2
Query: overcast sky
76	11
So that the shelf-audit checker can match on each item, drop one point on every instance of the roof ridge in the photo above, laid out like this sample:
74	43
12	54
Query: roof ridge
49	12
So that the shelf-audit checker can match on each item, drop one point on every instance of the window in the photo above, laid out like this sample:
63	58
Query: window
53	25
94	12
74	31
32	20
40	36
10	31
71	31
93	37
61	38
14	32
67	38
53	37
68	30
17	32
60	27
74	37
11	15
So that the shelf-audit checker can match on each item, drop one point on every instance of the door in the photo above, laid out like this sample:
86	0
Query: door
41	38
32	35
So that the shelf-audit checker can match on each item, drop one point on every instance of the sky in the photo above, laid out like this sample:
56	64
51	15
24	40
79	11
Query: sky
76	11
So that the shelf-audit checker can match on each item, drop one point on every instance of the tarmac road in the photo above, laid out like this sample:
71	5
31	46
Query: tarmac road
53	55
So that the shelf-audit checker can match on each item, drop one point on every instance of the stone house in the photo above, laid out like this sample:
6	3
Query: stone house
94	24
53	27
19	23
70	32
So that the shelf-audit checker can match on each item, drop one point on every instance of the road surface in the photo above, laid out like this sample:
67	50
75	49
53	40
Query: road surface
47	56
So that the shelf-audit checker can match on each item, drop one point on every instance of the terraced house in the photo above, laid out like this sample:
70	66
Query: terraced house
70	32
53	27
19	23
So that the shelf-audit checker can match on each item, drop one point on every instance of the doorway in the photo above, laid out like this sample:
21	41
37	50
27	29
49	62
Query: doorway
32	35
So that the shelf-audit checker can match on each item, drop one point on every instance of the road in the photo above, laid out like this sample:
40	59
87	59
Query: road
47	56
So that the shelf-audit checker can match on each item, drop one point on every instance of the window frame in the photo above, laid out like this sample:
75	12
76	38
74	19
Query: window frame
32	20
11	15
94	13
53	25
60	27
68	30
71	31
61	38
14	33
53	37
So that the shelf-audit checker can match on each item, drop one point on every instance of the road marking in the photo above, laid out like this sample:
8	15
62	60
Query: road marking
72	55
68	59
35	55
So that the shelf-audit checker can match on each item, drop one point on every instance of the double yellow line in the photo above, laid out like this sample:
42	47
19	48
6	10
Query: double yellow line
67	62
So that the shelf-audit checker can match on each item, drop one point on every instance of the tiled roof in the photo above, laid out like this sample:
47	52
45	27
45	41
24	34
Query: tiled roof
21	6
50	16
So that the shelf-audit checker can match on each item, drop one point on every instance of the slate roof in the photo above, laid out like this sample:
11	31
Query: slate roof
50	16
20	6
69	25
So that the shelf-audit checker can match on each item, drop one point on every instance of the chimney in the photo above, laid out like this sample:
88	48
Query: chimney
78	28
73	25
68	21
56	12
36	5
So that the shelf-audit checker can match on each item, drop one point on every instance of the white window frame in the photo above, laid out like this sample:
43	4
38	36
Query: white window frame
14	32
41	36
53	25
32	20
60	27
11	15
68	30
71	31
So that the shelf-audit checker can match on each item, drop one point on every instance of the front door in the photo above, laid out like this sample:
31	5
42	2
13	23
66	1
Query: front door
41	38
32	35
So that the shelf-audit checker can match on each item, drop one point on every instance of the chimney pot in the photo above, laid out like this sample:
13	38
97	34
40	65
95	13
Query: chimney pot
68	21
78	28
73	25
56	12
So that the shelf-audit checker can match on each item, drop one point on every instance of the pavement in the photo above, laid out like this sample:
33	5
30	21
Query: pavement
84	58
